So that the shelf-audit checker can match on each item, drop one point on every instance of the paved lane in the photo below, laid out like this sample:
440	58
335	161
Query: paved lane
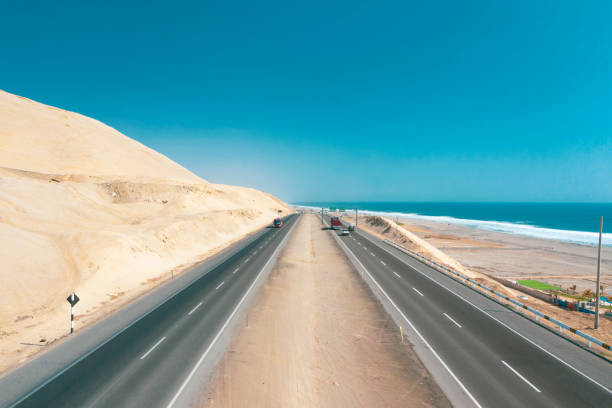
497	366
150	362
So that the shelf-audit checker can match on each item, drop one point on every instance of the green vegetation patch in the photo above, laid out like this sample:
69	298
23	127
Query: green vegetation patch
538	285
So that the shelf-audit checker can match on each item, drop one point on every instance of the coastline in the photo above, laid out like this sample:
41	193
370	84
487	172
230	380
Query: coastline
513	256
574	236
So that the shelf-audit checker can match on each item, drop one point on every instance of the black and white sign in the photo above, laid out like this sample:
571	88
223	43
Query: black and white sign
73	299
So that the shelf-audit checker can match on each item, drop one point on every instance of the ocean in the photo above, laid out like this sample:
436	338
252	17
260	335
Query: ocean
569	222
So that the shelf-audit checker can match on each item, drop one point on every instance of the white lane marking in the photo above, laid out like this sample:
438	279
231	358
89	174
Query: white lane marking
221	284
452	320
152	348
247	260
414	328
372	253
235	270
261	246
383	263
212	343
255	253
417	291
194	309
520	376
397	274
502	323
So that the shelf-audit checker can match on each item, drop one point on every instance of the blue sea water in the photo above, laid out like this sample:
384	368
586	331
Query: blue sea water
570	222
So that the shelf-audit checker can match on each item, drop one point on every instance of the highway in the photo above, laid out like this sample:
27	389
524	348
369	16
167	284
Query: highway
152	361
495	356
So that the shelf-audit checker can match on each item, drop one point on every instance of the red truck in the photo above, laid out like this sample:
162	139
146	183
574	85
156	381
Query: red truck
277	223
335	223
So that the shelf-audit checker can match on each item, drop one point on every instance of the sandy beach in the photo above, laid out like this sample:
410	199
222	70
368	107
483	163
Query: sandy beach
515	257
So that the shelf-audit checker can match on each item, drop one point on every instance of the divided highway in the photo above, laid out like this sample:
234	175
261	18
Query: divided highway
152	361
498	358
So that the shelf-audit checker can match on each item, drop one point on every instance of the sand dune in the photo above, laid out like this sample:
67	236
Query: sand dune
84	207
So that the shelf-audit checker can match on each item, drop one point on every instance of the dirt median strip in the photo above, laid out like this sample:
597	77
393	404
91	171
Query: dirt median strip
316	337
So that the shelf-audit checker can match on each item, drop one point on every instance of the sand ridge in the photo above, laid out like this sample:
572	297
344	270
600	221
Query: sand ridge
85	208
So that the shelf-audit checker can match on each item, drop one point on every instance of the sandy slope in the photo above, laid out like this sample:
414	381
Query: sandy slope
318	338
84	207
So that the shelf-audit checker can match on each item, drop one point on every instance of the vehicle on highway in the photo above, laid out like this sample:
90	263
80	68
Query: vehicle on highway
277	223
344	232
351	227
335	223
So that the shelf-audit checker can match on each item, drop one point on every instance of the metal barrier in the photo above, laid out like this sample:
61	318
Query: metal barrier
518	305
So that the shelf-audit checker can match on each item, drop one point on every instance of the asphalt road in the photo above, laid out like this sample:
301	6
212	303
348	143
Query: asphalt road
498	357
151	362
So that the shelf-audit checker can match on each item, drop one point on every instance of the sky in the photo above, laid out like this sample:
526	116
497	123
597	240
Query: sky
320	101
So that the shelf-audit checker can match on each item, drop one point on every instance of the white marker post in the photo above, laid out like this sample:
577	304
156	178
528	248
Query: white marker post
72	299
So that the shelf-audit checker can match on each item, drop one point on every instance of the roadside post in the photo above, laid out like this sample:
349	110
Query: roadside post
597	295
73	300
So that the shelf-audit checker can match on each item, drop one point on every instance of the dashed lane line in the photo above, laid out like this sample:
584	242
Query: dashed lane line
521	377
452	320
152	348
194	309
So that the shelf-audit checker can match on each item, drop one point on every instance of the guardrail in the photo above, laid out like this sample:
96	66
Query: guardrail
517	305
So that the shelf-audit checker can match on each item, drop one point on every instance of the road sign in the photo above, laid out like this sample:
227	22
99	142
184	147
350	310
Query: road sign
73	299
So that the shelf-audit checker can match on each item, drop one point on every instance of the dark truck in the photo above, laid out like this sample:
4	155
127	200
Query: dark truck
277	223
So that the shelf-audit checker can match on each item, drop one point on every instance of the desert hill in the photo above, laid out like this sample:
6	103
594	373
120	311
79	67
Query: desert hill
84	207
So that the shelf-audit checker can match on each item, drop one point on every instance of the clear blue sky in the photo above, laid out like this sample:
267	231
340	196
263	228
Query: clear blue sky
430	100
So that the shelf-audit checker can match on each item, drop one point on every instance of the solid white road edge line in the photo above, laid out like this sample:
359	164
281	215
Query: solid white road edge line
414	328
194	309
212	343
221	284
520	376
502	323
152	348
452	320
418	291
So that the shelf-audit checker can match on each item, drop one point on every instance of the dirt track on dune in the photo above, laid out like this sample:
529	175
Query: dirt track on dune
317	338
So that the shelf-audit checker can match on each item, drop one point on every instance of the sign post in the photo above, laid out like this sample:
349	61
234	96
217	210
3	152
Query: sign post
597	295
73	300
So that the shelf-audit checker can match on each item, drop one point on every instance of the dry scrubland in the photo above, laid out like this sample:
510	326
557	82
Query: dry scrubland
84	207
487	251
